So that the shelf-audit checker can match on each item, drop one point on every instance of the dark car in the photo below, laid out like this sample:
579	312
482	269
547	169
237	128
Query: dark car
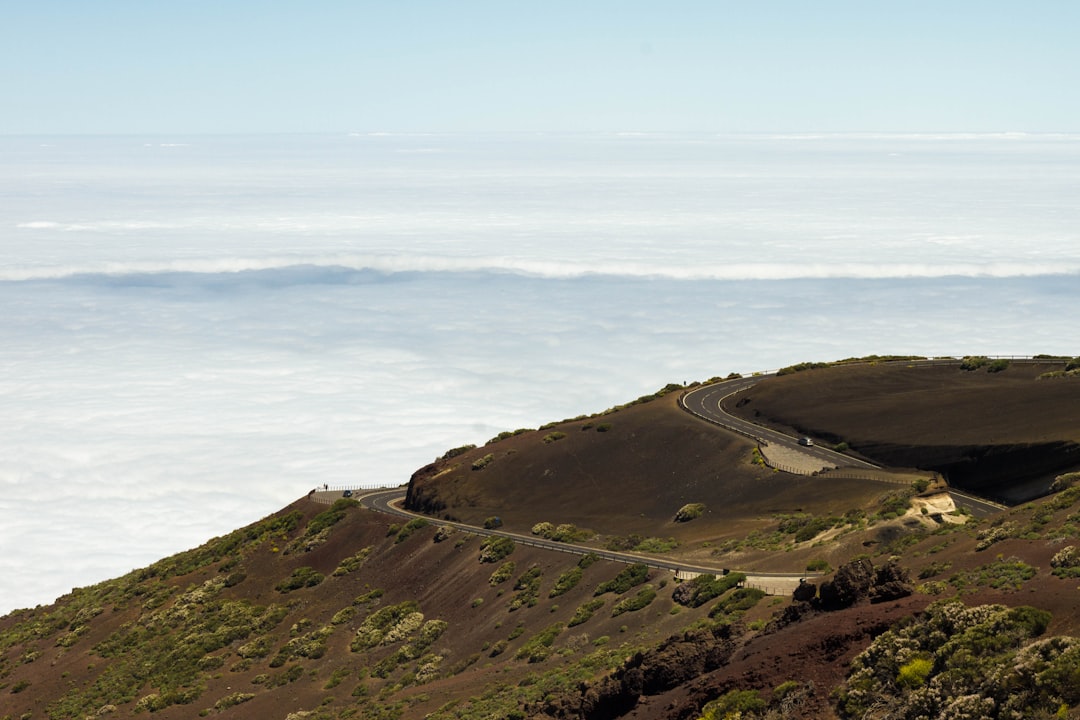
347	493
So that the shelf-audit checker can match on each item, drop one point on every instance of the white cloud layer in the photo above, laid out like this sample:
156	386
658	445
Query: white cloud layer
191	340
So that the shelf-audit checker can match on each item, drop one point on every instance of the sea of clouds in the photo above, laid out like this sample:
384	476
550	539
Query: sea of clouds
196	331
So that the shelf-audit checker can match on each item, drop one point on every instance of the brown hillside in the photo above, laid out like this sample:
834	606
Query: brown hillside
332	612
1006	433
633	478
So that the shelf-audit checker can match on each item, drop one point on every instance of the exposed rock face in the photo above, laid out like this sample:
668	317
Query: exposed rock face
851	584
678	660
857	581
891	582
806	592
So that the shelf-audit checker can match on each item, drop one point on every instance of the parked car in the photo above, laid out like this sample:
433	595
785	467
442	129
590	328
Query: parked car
805	441
347	493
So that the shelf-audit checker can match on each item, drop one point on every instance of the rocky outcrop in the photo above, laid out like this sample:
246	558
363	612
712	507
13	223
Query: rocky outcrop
858	581
677	660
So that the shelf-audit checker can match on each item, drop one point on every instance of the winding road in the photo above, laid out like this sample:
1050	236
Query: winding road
706	403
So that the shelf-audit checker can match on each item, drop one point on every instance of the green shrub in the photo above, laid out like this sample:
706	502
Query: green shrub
734	704
818	565
630	576
567	581
538	647
352	564
913	674
409	528
454	452
738	602
703	588
301	577
495	548
997	366
528	588
481	463
690	511
502	573
585	611
554	436
974	362
642	599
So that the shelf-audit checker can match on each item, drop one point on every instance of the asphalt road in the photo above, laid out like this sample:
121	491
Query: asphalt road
706	403
386	501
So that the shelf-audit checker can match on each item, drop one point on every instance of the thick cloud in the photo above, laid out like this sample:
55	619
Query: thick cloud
195	335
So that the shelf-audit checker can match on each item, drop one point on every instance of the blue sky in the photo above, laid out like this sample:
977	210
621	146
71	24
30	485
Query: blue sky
134	66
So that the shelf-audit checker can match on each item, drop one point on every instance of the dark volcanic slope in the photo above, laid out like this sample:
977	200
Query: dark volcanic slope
1005	433
630	478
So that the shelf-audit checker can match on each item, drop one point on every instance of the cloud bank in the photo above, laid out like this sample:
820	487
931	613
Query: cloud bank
193	336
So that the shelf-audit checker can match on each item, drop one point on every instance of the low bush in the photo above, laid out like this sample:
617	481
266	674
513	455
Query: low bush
567	581
640	600
495	548
631	576
301	577
503	573
690	511
454	452
703	588
481	463
585	611
409	528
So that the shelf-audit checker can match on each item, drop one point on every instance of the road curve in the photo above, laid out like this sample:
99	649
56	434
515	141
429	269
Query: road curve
386	501
706	403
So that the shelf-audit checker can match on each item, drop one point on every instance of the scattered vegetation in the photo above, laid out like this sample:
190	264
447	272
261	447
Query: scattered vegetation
962	662
554	436
409	528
